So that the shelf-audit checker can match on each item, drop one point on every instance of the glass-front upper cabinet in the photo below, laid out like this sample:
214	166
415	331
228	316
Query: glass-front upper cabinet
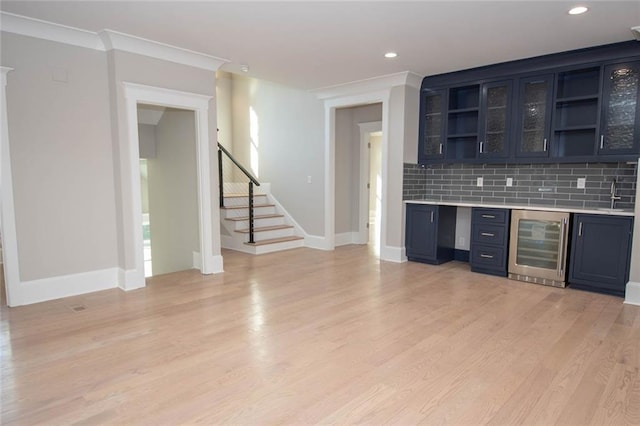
534	116
620	122
432	122
495	114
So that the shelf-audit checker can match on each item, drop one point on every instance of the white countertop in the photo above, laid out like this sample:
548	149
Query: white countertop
614	212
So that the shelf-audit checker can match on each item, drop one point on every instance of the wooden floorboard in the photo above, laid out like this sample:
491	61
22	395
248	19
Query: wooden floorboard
307	336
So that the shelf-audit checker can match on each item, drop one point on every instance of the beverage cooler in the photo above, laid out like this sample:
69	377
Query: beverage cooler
538	248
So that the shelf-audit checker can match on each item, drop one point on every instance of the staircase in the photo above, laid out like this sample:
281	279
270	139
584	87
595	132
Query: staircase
273	228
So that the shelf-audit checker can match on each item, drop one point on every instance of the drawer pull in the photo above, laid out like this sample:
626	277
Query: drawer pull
488	216
486	256
487	234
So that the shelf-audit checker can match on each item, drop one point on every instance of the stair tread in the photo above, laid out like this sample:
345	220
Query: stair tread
246	207
274	241
236	195
258	216
264	228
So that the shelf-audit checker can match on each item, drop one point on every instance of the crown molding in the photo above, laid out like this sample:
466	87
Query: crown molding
23	25
114	40
106	40
405	78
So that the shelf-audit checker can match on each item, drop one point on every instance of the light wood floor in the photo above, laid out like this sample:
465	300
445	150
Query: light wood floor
307	336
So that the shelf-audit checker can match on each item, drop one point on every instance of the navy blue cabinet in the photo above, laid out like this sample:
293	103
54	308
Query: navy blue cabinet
578	106
489	241
533	125
430	233
620	122
600	253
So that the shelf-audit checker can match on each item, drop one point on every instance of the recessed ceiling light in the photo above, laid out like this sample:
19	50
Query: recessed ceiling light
390	55
244	68
578	10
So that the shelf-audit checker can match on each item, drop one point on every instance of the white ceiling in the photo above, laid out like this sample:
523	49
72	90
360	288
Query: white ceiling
311	45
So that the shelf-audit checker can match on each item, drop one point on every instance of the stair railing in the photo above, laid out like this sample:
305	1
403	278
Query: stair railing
252	181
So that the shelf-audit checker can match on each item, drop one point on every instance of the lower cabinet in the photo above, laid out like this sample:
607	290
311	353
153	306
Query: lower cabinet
489	245
430	233
600	253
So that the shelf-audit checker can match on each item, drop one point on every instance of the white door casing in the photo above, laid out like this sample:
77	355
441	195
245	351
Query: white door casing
134	95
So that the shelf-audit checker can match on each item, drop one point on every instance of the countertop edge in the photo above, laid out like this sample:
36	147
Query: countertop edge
524	207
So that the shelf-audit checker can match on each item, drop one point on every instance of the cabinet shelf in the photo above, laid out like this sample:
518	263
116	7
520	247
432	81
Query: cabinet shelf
593	97
575	128
462	135
463	110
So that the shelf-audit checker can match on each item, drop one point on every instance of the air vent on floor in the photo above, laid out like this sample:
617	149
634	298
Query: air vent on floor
78	308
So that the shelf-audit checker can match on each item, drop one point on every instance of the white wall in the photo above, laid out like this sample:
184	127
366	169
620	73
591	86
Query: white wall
173	195
288	135
61	157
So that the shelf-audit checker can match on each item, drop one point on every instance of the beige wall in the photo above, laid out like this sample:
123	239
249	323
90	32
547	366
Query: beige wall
173	196
289	145
61	157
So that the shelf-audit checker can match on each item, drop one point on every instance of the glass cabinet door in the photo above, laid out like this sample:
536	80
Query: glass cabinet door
496	103
619	132
433	125
534	116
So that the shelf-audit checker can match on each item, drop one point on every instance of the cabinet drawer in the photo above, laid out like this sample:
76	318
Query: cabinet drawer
488	257
490	235
490	216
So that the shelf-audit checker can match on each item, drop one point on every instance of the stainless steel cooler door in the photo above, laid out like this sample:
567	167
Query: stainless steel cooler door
538	244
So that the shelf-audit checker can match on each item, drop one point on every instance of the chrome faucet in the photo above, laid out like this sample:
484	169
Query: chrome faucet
614	197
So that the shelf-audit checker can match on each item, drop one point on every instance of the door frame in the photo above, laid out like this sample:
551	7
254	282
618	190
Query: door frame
366	129
140	94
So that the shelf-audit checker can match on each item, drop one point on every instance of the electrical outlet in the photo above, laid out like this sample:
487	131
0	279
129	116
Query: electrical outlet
479	181
509	181
462	241
582	182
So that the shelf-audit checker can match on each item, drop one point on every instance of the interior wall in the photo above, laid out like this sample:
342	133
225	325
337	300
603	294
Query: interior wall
285	129
173	195
347	164
224	97
130	67
61	157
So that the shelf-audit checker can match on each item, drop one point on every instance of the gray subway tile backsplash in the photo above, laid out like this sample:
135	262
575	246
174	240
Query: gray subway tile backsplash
552	185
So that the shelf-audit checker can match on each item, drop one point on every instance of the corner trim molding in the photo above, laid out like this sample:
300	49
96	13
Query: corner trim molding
107	40
32	27
114	40
632	293
405	78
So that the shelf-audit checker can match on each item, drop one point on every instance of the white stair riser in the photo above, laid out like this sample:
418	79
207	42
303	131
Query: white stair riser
267	235
245	212
270	248
243	201
271	221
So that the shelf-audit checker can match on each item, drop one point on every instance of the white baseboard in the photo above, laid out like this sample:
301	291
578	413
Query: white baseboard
130	280
393	254
197	262
316	242
45	289
632	293
218	264
347	238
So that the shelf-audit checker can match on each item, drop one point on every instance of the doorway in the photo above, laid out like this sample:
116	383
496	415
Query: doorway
168	188
371	184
